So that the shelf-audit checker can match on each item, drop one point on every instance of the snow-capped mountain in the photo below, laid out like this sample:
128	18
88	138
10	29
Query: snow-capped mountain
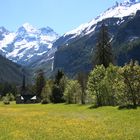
26	45
76	48
38	47
119	10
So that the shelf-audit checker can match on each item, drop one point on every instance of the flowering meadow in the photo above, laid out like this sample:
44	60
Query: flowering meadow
67	122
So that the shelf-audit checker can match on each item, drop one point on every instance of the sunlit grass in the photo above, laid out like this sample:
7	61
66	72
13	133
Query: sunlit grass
67	122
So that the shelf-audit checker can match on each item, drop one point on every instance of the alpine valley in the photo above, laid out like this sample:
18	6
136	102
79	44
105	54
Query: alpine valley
28	45
44	48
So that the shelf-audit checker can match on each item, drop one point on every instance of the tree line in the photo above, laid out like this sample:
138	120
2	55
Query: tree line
114	85
107	84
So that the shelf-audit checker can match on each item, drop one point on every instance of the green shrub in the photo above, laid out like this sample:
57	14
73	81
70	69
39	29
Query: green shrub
45	101
72	93
6	100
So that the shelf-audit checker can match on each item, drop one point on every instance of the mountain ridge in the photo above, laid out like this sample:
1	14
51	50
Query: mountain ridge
27	44
65	52
77	47
68	42
128	7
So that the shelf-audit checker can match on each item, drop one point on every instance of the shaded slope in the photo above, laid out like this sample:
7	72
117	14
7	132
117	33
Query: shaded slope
10	72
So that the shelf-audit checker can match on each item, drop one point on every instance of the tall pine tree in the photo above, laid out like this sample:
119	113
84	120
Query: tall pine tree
39	83
58	87
103	53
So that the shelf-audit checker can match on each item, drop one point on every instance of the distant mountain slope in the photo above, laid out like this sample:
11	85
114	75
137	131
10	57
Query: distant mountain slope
127	41
26	45
73	52
45	62
78	55
76	48
119	10
10	72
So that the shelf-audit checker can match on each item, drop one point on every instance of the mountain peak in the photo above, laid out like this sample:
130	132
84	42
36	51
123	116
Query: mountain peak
29	28
27	44
131	1
3	30
119	10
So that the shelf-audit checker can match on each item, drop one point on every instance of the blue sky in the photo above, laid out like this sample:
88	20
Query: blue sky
61	15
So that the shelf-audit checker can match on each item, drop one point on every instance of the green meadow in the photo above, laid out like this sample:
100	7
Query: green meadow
67	122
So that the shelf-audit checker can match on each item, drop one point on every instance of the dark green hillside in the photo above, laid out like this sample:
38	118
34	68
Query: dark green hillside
129	31
78	54
70	58
129	51
9	71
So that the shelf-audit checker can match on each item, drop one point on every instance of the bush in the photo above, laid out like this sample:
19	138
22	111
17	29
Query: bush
6	100
129	106
57	94
72	93
11	97
45	101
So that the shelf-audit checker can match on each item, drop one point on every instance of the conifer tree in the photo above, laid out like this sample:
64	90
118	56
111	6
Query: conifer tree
23	83
23	87
40	83
103	53
58	87
58	77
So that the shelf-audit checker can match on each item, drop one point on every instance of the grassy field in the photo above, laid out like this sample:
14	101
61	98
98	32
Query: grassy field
67	122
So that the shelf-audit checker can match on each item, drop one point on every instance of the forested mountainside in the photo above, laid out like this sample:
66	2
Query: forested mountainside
125	39
10	72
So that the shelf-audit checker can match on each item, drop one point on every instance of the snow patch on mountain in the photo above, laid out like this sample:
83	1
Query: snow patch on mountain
27	44
29	28
7	40
119	10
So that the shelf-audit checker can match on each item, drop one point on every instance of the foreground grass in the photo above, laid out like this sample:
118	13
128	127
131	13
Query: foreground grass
67	122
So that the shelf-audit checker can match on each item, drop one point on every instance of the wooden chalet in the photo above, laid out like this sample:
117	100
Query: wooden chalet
26	96
26	99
